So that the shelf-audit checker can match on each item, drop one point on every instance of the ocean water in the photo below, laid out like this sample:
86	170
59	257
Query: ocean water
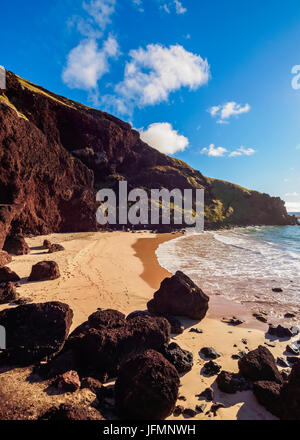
242	264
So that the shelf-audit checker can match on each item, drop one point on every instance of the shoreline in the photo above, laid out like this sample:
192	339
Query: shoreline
120	270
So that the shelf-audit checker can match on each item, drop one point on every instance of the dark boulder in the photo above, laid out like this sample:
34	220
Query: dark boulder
47	244
66	412
211	368
5	258
209	353
259	365
234	321
16	245
107	319
280	331
146	387
181	359
43	271
68	382
137	313
281	362
179	296
290	395
208	394
35	331
189	412
8	293
231	383
292	359
178	410
293	349
268	395
6	274
101	350
55	248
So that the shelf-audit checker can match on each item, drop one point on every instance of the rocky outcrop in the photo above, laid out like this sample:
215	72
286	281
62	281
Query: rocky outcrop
66	412
6	274
182	360
54	151
268	395
55	248
231	383
8	292
290	395
44	270
258	365
35	331
68	382
180	296
16	245
146	387
101	349
5	258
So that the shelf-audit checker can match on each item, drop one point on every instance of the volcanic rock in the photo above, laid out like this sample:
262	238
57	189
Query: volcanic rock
290	395
68	382
293	349
210	353
181	359
43	271
189	412
137	313
47	244
6	274
259	365
268	395
178	411
8	293
232	382
107	319
207	394
16	245
179	296
102	350
211	368
55	248
35	331
146	387
66	412
5	258
280	331
281	362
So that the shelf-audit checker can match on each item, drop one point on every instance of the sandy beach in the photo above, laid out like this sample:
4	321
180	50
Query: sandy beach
120	271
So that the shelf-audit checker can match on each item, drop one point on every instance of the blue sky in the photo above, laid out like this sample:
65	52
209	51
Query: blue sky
209	80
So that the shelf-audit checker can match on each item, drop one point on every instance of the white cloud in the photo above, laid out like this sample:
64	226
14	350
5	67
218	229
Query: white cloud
179	8
164	138
225	111
221	151
100	11
242	151
292	194
214	151
153	73
176	5
87	63
293	206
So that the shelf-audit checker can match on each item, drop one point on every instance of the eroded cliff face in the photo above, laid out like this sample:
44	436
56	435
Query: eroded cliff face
55	154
